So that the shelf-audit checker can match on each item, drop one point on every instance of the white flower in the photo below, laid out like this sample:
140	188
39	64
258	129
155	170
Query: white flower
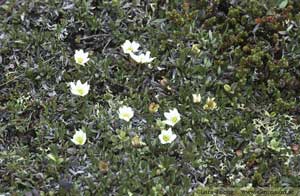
130	47
172	117
210	104
79	138
81	57
167	136
196	98
142	58
126	113
79	88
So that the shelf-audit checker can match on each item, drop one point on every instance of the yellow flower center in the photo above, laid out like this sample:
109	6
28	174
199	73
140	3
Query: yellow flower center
79	140
166	138
79	60
174	119
130	49
211	104
125	115
80	91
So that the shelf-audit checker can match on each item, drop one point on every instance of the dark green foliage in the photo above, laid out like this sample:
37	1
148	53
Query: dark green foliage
246	54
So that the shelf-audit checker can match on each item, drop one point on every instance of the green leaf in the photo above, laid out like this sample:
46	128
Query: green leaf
283	4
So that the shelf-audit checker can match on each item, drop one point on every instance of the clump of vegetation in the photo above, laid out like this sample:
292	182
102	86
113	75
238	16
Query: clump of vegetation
148	98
